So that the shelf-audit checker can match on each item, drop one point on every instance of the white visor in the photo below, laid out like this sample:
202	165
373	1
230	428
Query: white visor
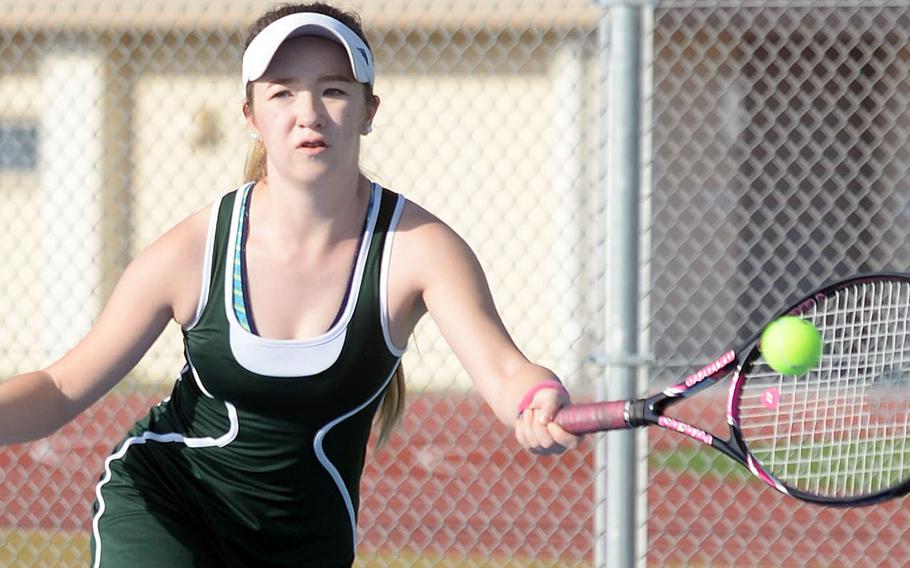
262	49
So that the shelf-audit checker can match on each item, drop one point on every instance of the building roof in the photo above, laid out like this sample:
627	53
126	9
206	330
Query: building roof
237	14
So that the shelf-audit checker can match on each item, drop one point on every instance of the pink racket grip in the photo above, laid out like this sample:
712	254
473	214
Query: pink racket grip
593	417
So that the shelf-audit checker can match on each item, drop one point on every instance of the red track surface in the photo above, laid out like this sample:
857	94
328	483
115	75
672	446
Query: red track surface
446	483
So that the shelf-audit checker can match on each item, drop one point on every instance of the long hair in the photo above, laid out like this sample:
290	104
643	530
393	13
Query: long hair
392	406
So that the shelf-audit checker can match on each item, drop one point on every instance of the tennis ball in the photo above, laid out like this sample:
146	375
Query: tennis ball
791	345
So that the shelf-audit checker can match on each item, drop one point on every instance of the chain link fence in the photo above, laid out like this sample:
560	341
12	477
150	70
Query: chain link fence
775	156
779	162
119	119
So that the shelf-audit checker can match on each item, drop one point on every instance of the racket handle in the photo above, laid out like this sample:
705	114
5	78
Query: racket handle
593	417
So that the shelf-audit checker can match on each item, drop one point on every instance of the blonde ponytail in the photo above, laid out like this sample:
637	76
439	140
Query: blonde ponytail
392	408
254	169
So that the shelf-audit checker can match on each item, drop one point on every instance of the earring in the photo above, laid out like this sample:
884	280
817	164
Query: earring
254	136
367	129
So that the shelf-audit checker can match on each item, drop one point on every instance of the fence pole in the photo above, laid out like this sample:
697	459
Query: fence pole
622	59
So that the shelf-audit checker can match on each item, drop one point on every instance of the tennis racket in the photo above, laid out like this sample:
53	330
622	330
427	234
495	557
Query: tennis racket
837	435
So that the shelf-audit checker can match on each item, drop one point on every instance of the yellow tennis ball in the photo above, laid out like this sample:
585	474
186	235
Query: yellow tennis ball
791	345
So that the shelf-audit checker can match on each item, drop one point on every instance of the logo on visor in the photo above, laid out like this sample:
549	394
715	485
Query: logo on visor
363	53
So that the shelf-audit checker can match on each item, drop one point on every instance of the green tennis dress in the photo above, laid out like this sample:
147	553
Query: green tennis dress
256	456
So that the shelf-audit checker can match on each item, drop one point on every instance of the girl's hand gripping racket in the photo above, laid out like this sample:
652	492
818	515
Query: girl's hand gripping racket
836	435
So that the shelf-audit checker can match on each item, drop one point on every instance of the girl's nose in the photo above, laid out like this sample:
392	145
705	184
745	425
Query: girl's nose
309	111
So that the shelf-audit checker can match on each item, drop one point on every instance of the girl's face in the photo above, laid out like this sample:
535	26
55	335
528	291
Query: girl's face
309	111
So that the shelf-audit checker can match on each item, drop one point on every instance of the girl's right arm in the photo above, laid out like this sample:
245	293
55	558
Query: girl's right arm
161	284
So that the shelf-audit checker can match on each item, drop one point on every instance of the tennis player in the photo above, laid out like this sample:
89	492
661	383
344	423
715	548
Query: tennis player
296	294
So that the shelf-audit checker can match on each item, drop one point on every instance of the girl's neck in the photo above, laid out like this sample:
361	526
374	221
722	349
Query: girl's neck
314	215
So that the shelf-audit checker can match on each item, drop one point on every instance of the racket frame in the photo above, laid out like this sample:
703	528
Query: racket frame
651	410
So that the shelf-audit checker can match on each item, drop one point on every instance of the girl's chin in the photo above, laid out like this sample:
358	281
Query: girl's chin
310	173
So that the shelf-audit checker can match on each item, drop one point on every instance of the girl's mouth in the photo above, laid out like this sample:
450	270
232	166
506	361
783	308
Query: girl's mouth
312	146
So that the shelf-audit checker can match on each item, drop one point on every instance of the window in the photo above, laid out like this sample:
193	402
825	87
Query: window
18	146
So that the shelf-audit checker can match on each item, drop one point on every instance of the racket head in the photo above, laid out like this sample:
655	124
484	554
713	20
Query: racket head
838	435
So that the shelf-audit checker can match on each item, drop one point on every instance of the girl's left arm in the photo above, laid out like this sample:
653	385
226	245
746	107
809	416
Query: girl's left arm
456	294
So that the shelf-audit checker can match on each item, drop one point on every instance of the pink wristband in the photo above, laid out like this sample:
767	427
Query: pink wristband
529	396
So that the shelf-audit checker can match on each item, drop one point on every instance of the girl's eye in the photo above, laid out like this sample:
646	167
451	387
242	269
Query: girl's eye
332	92
281	94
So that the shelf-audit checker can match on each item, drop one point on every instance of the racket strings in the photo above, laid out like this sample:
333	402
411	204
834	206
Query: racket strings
842	429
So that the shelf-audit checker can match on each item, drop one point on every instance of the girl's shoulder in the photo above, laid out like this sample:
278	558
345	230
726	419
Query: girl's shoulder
418	222
427	244
180	255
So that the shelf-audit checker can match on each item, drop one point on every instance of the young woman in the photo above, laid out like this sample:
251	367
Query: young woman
296	294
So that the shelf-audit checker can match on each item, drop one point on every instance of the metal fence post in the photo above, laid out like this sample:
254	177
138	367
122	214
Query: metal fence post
622	59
